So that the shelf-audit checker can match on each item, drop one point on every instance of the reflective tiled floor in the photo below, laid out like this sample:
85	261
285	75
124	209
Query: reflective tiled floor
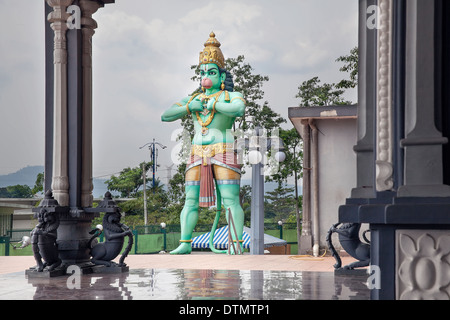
187	284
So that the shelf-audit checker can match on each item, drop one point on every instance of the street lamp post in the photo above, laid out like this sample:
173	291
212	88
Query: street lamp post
280	225
144	175
163	228
153	156
258	144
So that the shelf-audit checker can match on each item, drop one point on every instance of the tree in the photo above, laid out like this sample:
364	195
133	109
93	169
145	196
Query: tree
312	93
129	181
176	185
350	66
39	184
245	198
23	191
279	203
17	191
265	117
292	165
157	203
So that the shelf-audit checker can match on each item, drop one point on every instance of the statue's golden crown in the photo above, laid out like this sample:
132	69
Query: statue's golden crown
212	52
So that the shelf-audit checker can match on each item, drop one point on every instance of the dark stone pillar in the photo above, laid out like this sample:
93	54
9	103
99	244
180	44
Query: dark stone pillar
69	32
410	224
74	115
365	148
423	167
48	167
367	64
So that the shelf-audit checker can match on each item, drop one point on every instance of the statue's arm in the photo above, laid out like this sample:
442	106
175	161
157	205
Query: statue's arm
176	111
52	235
118	235
234	108
180	109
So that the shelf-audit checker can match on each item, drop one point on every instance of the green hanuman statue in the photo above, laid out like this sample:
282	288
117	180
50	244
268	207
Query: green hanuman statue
212	172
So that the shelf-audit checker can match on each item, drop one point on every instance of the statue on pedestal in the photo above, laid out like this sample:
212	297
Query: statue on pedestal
350	241
103	253
212	167
43	239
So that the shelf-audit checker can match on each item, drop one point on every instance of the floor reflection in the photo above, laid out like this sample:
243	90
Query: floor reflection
180	284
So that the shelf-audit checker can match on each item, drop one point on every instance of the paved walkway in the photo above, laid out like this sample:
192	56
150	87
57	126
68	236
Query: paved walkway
207	261
198	276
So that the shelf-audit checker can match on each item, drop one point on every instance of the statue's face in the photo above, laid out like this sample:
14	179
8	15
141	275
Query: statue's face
114	218
211	77
49	218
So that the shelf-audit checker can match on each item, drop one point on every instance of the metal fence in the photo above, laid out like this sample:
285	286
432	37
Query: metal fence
153	238
17	234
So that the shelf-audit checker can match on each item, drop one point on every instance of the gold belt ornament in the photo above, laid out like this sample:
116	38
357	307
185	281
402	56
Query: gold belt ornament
209	151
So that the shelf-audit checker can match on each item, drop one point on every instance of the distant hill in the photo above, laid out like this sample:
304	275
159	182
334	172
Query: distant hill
27	176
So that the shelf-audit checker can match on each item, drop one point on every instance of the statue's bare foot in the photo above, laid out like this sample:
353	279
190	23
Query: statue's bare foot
40	267
184	248
233	252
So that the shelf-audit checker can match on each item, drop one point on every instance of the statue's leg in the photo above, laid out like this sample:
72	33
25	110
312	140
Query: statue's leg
228	182
189	214
37	256
55	265
358	264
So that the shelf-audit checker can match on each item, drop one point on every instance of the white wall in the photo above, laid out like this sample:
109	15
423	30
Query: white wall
337	173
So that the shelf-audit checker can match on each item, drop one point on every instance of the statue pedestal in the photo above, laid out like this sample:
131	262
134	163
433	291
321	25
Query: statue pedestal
351	272
73	238
86	268
113	269
31	273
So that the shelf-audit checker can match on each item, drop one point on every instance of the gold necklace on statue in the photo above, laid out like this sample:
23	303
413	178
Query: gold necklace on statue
208	121
206	97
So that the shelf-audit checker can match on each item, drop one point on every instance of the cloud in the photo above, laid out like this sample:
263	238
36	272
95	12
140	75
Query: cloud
303	54
21	85
236	14
142	66
142	53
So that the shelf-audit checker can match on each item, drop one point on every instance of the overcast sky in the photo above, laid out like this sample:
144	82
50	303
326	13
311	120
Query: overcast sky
142	53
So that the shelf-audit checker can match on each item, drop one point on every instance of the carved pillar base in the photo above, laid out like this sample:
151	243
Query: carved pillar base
422	264
73	237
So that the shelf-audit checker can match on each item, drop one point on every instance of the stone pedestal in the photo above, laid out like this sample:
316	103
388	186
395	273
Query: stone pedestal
113	269
32	273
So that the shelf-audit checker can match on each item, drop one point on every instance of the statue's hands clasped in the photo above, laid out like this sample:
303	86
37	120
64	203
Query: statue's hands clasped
210	104
196	105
